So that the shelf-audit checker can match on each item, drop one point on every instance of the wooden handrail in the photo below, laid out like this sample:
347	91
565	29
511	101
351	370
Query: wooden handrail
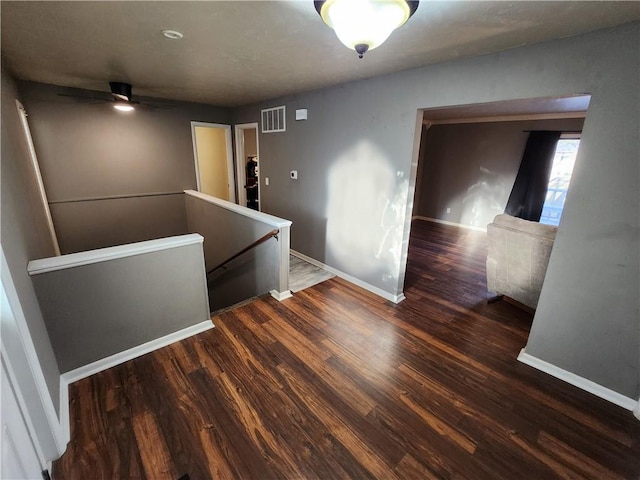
264	238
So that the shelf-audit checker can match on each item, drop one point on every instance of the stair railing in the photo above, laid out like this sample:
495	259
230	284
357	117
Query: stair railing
264	238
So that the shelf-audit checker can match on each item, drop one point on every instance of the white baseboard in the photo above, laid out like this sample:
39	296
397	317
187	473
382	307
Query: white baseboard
134	352
85	371
451	224
281	295
350	278
580	382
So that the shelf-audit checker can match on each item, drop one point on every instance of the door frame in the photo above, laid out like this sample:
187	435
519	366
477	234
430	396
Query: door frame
20	455
241	174
230	169
49	429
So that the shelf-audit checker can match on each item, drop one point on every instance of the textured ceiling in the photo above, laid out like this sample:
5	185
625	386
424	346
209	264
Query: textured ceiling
240	52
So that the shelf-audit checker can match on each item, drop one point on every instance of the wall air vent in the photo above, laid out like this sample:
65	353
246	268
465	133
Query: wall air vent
273	120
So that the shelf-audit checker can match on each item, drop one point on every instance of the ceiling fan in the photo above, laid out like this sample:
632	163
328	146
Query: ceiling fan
121	97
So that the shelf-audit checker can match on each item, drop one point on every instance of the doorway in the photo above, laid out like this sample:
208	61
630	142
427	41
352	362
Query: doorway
466	158
469	156
248	172
213	160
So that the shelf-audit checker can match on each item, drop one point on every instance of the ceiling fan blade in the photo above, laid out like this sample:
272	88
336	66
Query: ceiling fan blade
120	94
84	98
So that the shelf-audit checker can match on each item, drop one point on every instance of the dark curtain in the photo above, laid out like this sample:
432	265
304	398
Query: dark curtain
530	188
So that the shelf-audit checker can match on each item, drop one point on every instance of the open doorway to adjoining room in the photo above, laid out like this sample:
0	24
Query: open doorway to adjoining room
213	160
469	155
467	159
247	165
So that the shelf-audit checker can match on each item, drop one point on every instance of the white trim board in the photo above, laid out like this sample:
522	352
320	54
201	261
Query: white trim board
52	430
36	170
578	381
115	197
14	385
247	212
280	296
79	259
134	352
350	278
103	364
507	118
452	224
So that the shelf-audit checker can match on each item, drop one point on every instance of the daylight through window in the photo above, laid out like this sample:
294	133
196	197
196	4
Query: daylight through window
563	162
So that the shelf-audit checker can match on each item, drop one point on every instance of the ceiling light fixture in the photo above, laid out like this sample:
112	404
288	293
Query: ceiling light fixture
123	106
363	25
172	34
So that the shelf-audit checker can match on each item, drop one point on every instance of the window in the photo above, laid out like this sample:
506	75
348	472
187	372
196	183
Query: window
563	161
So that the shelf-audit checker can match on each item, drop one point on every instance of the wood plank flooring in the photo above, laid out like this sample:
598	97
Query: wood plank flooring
338	383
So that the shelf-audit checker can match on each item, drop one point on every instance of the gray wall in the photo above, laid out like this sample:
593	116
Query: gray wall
470	168
24	232
82	226
226	233
356	159
89	150
94	311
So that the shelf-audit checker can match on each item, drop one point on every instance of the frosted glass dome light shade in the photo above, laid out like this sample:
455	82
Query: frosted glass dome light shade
363	25
123	106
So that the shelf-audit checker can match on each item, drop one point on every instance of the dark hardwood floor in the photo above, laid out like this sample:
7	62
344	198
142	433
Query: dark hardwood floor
338	383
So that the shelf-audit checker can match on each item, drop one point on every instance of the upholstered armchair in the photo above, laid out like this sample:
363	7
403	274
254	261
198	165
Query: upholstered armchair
517	257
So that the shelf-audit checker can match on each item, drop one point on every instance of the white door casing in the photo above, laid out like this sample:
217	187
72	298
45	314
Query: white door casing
49	433
19	458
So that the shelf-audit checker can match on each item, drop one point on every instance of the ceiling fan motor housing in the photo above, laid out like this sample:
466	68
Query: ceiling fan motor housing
121	90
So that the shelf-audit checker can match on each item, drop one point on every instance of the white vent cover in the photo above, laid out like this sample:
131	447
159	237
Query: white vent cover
273	120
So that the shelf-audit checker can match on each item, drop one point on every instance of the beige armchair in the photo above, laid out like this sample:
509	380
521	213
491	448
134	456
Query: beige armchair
517	257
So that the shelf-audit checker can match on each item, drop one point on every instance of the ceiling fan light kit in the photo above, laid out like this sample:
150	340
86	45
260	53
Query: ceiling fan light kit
122	95
363	25
123	106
